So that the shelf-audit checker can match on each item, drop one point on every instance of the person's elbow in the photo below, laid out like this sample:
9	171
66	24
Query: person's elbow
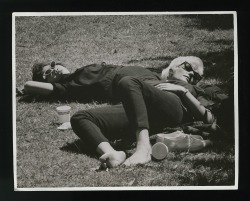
29	87
38	88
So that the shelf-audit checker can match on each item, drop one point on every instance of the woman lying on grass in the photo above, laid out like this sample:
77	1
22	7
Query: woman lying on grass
92	82
145	110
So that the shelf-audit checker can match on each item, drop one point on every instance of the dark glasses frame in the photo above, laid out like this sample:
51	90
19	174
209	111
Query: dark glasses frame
50	70
188	67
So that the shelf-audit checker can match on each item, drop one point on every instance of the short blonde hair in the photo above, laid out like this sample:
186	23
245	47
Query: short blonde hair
195	62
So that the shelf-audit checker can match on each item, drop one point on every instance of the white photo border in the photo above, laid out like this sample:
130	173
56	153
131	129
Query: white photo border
236	101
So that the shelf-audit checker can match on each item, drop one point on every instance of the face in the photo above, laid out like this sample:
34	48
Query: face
53	74
185	73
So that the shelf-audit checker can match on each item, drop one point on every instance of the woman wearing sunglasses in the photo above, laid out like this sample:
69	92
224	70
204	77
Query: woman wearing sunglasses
145	110
91	82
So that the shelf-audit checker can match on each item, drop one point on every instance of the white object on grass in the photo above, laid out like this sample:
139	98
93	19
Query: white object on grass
159	150
64	126
63	113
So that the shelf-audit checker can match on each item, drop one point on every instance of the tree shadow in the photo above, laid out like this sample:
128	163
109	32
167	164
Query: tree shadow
212	21
219	65
157	68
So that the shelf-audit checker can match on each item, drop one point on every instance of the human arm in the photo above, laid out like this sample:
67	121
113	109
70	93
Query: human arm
38	88
194	106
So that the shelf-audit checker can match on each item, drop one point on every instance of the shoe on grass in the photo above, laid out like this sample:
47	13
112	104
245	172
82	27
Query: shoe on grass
177	141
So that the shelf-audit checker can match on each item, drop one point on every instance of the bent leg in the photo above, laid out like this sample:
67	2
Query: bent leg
143	149
100	124
147	108
96	126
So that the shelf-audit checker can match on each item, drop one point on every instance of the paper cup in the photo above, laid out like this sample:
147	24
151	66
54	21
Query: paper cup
63	114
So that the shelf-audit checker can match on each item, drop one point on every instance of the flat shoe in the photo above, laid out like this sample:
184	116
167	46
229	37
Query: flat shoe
179	141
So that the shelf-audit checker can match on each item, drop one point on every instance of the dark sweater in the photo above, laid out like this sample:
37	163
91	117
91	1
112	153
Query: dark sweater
94	82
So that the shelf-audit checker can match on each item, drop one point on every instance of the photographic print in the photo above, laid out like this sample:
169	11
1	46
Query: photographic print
125	101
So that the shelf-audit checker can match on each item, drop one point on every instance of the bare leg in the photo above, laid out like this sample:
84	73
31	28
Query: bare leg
143	149
110	157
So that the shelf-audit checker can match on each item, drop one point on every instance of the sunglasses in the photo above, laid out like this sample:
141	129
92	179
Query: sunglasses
50	70
188	67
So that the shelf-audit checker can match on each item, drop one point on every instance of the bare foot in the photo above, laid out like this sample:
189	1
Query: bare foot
113	159
141	156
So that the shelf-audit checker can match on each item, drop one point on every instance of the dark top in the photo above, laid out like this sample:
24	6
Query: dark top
210	96
98	81
94	82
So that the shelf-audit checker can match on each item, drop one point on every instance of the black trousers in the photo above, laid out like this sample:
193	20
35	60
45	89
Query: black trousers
143	106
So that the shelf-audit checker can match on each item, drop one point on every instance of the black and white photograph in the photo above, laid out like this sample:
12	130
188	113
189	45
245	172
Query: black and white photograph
125	101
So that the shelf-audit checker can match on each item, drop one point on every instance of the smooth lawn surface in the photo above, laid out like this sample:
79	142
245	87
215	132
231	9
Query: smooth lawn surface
47	157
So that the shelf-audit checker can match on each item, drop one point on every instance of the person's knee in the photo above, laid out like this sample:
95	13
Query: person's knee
78	117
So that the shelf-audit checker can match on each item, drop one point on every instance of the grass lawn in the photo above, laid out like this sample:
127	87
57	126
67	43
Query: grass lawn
47	157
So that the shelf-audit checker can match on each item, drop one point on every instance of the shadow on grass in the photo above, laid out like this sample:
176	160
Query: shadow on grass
213	168
78	147
37	98
212	22
55	99
159	58
218	64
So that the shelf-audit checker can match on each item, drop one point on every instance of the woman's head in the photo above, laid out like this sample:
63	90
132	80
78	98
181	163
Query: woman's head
189	69
48	72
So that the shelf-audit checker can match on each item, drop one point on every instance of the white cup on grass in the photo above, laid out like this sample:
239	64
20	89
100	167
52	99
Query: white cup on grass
63	113
159	150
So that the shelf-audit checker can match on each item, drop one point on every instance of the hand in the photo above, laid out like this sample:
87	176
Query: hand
171	87
209	117
20	92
